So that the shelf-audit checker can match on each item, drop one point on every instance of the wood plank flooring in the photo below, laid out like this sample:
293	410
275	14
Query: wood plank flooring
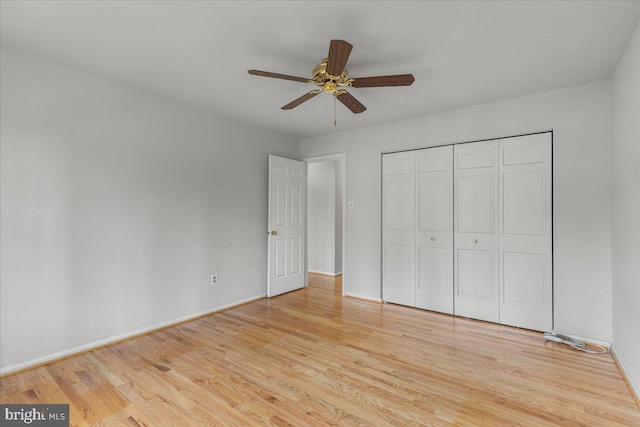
322	281
313	358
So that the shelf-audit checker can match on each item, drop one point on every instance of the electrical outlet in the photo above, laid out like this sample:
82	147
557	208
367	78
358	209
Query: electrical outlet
214	279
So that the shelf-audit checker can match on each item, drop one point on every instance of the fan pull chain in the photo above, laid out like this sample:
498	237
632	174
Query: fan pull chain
335	101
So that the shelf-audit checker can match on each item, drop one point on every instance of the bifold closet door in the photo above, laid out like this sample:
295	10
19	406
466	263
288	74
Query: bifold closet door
434	229
398	228
467	230
525	233
476	244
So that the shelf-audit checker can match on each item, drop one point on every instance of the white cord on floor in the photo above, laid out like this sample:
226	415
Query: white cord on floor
577	344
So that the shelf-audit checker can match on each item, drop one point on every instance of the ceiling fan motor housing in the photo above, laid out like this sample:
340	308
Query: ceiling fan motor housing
329	83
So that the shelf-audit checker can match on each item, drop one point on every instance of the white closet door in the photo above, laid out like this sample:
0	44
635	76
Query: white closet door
398	228
434	229
476	244
525	233
287	224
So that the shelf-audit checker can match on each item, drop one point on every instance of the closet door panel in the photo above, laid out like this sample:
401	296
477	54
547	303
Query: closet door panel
399	280
399	205
434	234
476	244
476	203
434	270
524	199
476	274
524	275
398	228
434	204
526	288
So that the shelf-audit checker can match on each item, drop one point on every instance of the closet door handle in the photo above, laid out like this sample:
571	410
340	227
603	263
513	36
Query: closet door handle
475	240
433	239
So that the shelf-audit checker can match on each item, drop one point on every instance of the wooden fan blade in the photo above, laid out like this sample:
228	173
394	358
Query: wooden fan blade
381	81
277	76
351	103
339	51
303	98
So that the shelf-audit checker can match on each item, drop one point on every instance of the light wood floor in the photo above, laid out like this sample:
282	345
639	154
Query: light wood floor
313	358
328	283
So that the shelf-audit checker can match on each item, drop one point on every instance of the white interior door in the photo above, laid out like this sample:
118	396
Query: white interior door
398	228
434	229
525	233
476	243
287	216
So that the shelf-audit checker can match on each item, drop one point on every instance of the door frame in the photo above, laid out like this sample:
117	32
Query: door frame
328	158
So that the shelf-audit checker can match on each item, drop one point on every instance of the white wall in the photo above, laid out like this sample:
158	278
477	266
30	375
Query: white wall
626	210
580	117
321	219
117	205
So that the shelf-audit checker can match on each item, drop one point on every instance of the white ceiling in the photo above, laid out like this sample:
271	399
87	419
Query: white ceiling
461	53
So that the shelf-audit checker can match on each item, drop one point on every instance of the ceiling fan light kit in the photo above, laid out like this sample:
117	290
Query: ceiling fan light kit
331	75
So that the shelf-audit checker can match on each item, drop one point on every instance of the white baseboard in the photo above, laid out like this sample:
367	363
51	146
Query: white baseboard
325	273
628	378
106	341
360	297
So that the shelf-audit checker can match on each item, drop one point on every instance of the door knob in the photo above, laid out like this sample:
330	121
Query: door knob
274	233
475	241
433	239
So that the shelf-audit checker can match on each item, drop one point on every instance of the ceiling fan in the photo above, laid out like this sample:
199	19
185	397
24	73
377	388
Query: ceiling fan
331	75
